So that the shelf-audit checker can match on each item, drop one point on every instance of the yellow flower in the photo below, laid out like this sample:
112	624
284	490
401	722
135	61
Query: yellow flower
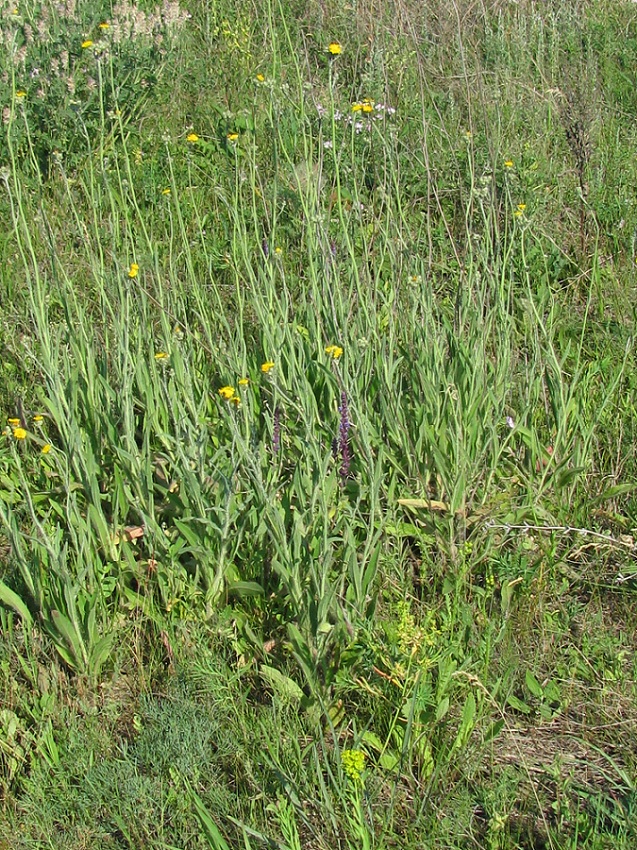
14	421
46	448
265	367
353	762
508	163
105	25
278	250
356	107
19	433
368	106
334	48
192	138
21	93
235	400
133	270
38	418
161	355
165	191
521	207
243	382
87	43
334	351
227	393
232	137
260	78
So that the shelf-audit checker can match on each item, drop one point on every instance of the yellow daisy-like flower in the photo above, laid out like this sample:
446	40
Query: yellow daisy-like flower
334	351
133	270
278	250
235	400
334	48
165	191
192	138
367	106
46	448
38	418
14	421
19	433
508	163
232	137
105	25
357	107
243	382
521	207
260	78
86	44
226	392
161	355
265	367
21	93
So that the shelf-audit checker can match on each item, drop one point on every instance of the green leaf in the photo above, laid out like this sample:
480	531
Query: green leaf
12	600
533	685
518	705
282	685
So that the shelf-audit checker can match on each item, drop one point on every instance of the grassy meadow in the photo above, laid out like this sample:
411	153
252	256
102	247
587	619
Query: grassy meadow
318	389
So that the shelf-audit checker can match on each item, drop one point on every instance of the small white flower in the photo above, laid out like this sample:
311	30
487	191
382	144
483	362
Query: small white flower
510	422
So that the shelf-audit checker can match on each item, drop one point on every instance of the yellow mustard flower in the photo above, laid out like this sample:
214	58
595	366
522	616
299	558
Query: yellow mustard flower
38	418
353	762
243	382
265	367
334	351
21	93
161	355
232	137
14	421
521	207
368	105
278	250
165	191
227	393
334	48
192	138
86	44
508	163
260	78
105	25
46	448
19	433
133	270
357	107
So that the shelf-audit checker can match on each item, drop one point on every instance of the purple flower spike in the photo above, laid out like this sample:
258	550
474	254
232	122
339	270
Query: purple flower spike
343	437
265	248
276	431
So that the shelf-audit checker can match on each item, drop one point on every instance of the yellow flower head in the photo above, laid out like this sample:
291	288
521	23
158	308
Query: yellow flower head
334	48
192	138
38	418
14	421
46	448
19	433
353	762
278	250
508	163
521	207
260	78
334	351
367	106
21	93
227	393
357	107
161	355
243	382
165	191
232	137
133	270
265	367
235	400
87	43
105	25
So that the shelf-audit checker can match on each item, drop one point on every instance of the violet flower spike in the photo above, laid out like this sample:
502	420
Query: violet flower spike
276	430
343	437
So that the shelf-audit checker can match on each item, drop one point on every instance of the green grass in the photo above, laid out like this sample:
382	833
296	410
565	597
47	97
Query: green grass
316	492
